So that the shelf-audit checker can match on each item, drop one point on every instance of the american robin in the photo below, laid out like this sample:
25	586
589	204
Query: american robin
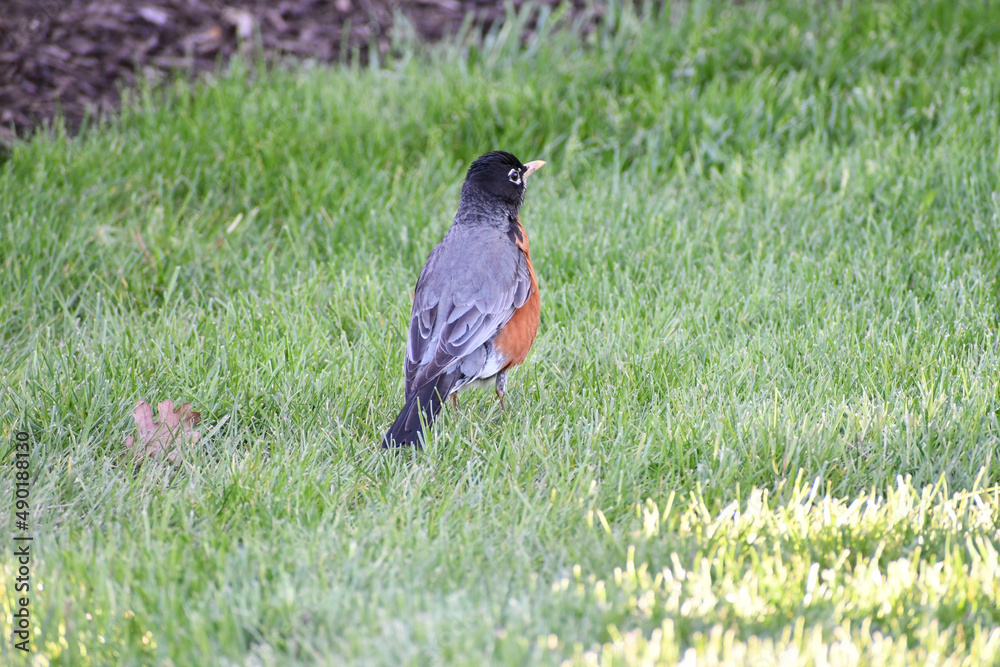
476	305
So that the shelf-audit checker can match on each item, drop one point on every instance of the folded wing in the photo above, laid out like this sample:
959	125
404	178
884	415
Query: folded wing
452	321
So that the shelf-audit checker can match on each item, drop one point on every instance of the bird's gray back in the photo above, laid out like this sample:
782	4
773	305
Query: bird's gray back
472	283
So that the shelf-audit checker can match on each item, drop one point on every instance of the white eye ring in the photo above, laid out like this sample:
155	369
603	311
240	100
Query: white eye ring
514	176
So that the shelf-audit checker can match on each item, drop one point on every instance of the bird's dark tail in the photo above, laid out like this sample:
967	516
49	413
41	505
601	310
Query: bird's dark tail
425	401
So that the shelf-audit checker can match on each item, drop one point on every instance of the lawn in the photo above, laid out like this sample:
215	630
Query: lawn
759	424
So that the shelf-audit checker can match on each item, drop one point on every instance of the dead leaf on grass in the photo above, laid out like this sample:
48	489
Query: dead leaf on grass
161	438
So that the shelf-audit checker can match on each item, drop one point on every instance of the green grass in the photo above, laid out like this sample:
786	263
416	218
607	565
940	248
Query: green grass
760	421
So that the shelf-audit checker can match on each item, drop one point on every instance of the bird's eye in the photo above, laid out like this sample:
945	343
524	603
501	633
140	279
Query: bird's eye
514	175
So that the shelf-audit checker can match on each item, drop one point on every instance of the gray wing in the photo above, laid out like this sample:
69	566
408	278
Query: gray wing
461	301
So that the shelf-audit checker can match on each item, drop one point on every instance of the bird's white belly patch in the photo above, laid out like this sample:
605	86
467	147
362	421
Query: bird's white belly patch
494	363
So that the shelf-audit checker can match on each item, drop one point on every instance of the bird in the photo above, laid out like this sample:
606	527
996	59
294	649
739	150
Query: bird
476	305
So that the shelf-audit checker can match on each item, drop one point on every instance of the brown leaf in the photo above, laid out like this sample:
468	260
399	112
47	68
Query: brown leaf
161	437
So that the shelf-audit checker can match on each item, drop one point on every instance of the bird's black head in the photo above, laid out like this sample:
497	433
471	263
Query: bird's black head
498	177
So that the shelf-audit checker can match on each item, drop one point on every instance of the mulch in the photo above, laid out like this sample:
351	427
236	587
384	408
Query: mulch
74	56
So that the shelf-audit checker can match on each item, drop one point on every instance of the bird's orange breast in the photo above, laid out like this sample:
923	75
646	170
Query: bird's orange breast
515	339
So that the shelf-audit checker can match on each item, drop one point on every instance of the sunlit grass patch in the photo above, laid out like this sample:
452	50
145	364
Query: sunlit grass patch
823	581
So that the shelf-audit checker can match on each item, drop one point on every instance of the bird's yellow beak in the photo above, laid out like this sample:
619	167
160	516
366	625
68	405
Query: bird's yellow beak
532	167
